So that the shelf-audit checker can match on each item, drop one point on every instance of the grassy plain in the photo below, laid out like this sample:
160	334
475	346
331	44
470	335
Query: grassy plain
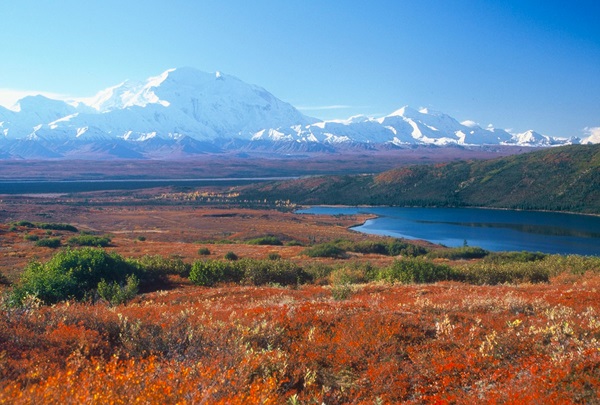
339	339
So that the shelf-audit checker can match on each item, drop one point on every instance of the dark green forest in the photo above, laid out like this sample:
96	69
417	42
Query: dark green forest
559	179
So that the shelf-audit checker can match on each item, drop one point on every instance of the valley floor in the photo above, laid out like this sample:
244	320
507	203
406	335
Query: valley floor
328	342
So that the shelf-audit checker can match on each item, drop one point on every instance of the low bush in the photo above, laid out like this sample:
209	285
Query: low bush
266	240
501	273
417	270
56	227
89	240
204	251
274	256
283	272
209	272
48	242
30	237
45	225
231	256
325	250
318	272
348	275
511	257
247	271
464	252
406	249
71	274
154	269
115	293
572	264
341	292
392	247
26	224
368	246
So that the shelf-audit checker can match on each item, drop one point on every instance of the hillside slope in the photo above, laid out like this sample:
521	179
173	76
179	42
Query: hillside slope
562	179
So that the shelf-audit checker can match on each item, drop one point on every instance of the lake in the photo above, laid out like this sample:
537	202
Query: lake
494	230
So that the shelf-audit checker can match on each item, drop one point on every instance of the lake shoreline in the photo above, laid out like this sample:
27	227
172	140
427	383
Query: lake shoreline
509	230
435	206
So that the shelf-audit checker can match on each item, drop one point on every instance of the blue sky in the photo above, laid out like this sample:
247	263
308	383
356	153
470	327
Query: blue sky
514	64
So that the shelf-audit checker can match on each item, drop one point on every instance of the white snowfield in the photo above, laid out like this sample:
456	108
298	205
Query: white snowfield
186	103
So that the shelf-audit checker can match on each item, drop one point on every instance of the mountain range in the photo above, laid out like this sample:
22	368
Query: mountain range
185	112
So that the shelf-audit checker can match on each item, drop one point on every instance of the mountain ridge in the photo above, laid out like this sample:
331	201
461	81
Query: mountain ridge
186	103
565	178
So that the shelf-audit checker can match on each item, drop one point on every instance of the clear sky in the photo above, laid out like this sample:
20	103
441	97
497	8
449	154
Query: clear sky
516	64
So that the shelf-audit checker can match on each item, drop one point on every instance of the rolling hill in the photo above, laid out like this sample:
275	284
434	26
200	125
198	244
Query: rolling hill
564	178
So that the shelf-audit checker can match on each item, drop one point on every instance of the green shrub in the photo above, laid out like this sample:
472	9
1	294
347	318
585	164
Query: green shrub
247	271
56	227
318	272
260	272
390	247
116	293
153	270
293	243
231	256
44	225
48	242
510	257
368	246
274	256
572	264
204	251
141	238
464	252
325	250
26	224
89	240
209	272
265	240
417	271
341	292
409	250
348	275
31	237
71	274
500	273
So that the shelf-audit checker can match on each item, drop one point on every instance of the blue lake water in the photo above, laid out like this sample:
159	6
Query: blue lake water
495	230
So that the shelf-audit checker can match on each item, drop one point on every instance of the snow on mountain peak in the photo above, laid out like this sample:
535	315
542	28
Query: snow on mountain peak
129	94
188	104
470	124
405	111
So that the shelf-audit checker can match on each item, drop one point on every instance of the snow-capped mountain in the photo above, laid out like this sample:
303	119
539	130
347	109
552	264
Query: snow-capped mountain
408	126
185	112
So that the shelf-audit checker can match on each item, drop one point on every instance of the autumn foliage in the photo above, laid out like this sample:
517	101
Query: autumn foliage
435	343
278	326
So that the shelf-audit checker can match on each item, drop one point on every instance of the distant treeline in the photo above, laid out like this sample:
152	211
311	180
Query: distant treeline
558	179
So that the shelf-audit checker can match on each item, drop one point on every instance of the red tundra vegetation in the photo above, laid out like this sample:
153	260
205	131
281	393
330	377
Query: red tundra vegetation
341	339
441	343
